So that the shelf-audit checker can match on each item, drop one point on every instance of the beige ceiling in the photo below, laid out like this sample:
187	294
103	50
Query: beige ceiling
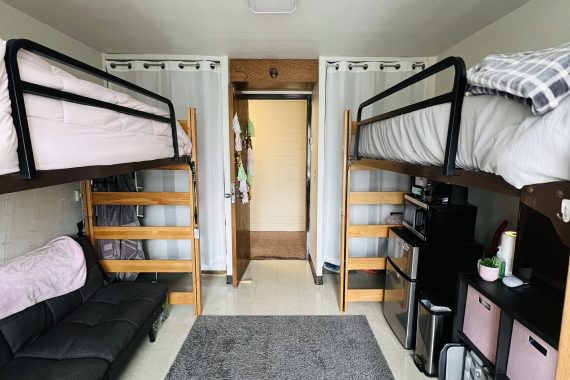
227	27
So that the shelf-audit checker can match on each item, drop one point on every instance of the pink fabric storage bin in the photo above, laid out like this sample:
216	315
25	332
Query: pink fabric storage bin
481	323
529	356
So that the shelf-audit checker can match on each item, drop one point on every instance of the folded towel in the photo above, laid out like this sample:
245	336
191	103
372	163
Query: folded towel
53	270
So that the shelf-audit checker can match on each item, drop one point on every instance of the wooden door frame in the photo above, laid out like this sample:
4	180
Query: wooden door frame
256	74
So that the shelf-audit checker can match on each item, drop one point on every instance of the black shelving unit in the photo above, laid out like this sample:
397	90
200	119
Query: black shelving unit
536	309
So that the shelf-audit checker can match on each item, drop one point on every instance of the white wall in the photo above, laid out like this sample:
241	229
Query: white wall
30	218
278	190
536	25
15	24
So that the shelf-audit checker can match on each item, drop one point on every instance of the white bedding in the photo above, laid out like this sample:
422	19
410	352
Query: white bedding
66	135
497	135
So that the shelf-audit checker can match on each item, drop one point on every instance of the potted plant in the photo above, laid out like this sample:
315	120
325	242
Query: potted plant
489	268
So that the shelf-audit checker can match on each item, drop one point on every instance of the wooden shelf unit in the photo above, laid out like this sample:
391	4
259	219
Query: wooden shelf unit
92	199
350	231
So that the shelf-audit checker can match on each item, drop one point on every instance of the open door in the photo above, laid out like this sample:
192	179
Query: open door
240	209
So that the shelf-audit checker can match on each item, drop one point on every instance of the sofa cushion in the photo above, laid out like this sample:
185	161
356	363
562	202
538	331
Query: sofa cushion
40	369
95	278
20	329
63	305
103	326
24	327
5	352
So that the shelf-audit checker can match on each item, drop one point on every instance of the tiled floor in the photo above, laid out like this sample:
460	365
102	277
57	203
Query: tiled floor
272	288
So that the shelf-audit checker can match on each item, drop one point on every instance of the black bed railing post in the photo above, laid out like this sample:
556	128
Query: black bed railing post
457	93
19	115
357	135
174	132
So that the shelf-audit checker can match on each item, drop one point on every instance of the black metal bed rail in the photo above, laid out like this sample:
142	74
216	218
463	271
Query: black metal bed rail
455	97
17	88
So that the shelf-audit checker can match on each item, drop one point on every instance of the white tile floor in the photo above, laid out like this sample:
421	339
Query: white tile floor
276	287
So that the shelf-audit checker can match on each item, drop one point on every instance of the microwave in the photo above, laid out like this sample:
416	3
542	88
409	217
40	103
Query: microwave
437	222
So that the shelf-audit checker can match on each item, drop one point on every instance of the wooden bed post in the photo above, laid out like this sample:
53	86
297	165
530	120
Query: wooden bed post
347	120
563	365
88	215
195	214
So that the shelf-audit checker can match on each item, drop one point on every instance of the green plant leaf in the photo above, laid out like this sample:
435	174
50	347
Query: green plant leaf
491	262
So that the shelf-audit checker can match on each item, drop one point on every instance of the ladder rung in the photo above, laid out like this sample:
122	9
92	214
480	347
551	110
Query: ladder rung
147	266
110	233
181	298
141	198
376	198
365	295
365	263
366	165
369	231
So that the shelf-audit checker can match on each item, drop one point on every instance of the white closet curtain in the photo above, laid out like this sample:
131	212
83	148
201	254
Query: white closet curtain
187	84
347	85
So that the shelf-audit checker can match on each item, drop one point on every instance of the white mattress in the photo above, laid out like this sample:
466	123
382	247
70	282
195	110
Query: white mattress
497	135
66	135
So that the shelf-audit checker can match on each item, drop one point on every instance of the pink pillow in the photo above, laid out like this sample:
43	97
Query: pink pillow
53	270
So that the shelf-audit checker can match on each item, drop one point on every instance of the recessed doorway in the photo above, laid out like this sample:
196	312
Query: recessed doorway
279	187
281	80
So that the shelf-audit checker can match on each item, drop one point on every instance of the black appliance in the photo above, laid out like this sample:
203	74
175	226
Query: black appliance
541	258
435	222
415	265
431	191
436	192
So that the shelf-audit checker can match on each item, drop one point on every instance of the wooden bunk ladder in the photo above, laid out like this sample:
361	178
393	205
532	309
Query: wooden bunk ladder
350	231
191	232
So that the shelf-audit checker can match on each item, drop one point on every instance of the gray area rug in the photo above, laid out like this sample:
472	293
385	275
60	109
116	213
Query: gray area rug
282	347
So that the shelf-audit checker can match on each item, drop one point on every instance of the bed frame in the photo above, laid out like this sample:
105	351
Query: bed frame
191	232
545	198
28	177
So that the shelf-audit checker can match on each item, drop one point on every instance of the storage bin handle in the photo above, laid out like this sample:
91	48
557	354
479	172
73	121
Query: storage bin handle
538	346
485	304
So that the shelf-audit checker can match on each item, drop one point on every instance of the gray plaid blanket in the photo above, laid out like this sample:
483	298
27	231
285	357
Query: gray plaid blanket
539	78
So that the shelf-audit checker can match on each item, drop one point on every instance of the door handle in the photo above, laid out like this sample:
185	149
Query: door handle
227	195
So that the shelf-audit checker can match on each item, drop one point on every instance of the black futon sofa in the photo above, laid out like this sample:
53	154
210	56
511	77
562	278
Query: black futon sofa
88	334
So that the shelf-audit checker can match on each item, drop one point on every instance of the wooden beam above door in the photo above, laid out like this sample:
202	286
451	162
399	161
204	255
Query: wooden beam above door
274	74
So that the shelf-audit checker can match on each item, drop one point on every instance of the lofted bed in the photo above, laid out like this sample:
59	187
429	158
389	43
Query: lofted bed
532	165
487	142
56	128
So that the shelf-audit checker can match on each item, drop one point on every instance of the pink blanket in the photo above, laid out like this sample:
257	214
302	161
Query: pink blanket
53	270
